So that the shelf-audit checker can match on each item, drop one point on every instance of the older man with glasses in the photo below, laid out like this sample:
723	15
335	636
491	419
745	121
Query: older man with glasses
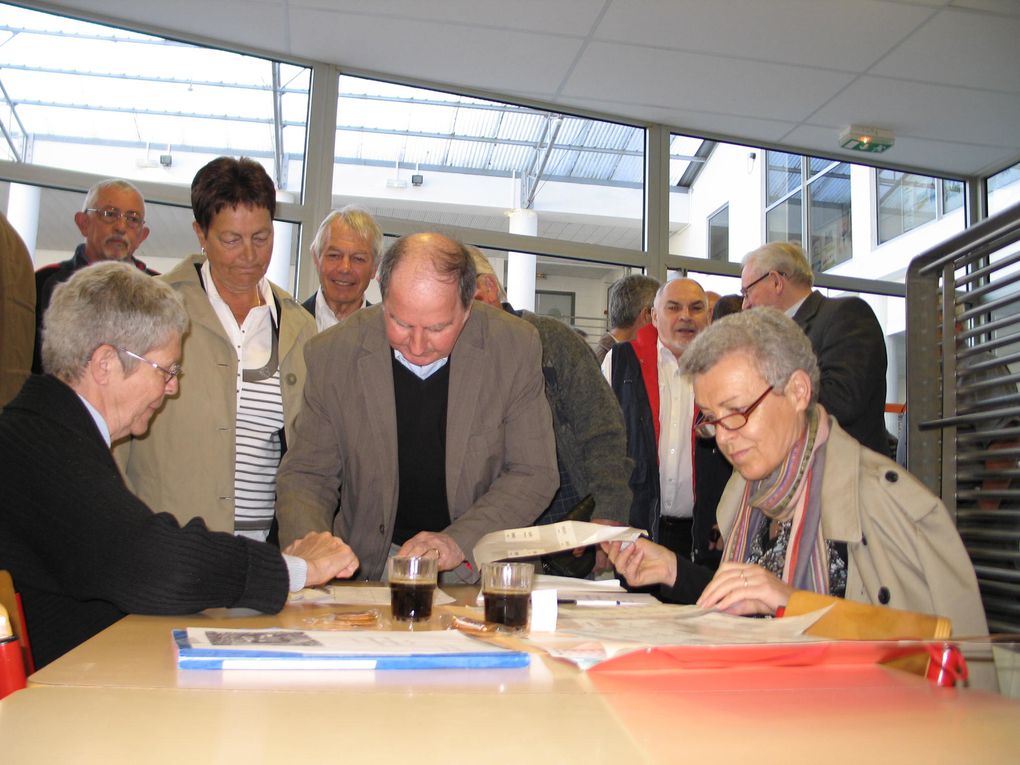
112	220
844	333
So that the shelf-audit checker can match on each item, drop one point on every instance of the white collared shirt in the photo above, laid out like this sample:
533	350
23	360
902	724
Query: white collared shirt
792	310
421	372
104	429
253	339
676	418
324	316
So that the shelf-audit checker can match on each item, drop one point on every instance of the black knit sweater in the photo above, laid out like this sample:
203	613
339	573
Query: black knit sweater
84	551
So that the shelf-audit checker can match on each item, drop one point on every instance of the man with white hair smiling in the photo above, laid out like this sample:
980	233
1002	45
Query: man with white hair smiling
346	251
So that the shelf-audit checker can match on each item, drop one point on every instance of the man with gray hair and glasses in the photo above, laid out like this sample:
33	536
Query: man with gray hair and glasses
112	220
844	333
630	308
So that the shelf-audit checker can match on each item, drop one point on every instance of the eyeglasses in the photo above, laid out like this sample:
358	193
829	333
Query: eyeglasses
112	215
168	374
766	275
705	428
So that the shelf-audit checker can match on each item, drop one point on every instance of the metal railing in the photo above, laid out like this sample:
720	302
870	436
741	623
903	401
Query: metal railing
963	397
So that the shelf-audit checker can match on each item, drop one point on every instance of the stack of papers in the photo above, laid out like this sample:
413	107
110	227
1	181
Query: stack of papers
211	648
589	638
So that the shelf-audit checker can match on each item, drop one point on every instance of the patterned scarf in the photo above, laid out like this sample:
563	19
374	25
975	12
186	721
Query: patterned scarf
791	492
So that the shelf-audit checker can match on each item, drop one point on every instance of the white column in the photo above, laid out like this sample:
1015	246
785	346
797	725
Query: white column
520	270
23	213
280	271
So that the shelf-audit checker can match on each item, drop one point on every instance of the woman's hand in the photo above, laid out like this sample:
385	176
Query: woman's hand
643	562
743	589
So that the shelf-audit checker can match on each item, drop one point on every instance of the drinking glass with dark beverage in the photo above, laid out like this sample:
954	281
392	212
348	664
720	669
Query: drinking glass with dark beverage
506	589
412	585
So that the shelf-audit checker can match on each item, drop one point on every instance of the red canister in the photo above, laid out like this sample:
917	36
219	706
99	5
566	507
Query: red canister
12	667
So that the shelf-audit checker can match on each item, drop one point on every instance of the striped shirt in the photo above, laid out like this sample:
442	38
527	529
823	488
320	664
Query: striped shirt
257	452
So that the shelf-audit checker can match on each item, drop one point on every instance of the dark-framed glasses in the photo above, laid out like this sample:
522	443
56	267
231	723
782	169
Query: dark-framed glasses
112	215
745	290
705	428
168	374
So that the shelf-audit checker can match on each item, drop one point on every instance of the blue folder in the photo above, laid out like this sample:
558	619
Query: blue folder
221	657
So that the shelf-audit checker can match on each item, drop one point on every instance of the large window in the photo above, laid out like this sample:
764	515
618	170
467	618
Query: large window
812	195
448	159
906	201
114	103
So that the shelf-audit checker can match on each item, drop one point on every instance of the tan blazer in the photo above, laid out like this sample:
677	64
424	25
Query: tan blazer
185	464
500	452
17	312
904	550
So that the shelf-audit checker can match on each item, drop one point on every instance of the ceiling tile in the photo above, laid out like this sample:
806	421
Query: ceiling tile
409	49
975	50
958	158
732	128
701	82
1010	7
251	23
567	17
920	110
848	36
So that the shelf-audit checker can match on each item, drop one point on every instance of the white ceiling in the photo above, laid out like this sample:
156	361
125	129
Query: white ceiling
943	75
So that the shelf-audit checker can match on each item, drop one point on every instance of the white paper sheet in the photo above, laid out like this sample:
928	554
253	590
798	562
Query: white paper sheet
533	541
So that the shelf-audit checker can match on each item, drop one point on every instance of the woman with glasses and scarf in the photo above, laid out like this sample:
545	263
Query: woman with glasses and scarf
807	507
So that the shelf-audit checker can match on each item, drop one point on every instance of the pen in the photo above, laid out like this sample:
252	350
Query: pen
594	603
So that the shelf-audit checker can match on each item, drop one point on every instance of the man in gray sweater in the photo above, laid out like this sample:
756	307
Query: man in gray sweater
591	442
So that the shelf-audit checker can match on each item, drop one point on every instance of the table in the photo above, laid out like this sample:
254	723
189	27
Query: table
120	698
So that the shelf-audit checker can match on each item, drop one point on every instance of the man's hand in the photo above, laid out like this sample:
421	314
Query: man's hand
328	557
744	589
643	562
431	543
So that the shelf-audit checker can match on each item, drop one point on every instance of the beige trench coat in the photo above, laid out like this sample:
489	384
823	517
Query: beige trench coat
904	549
184	465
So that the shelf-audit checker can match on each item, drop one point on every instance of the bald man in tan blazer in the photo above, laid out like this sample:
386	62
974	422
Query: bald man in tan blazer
495	463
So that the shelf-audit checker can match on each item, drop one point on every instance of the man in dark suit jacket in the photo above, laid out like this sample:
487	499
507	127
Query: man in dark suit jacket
844	333
427	413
